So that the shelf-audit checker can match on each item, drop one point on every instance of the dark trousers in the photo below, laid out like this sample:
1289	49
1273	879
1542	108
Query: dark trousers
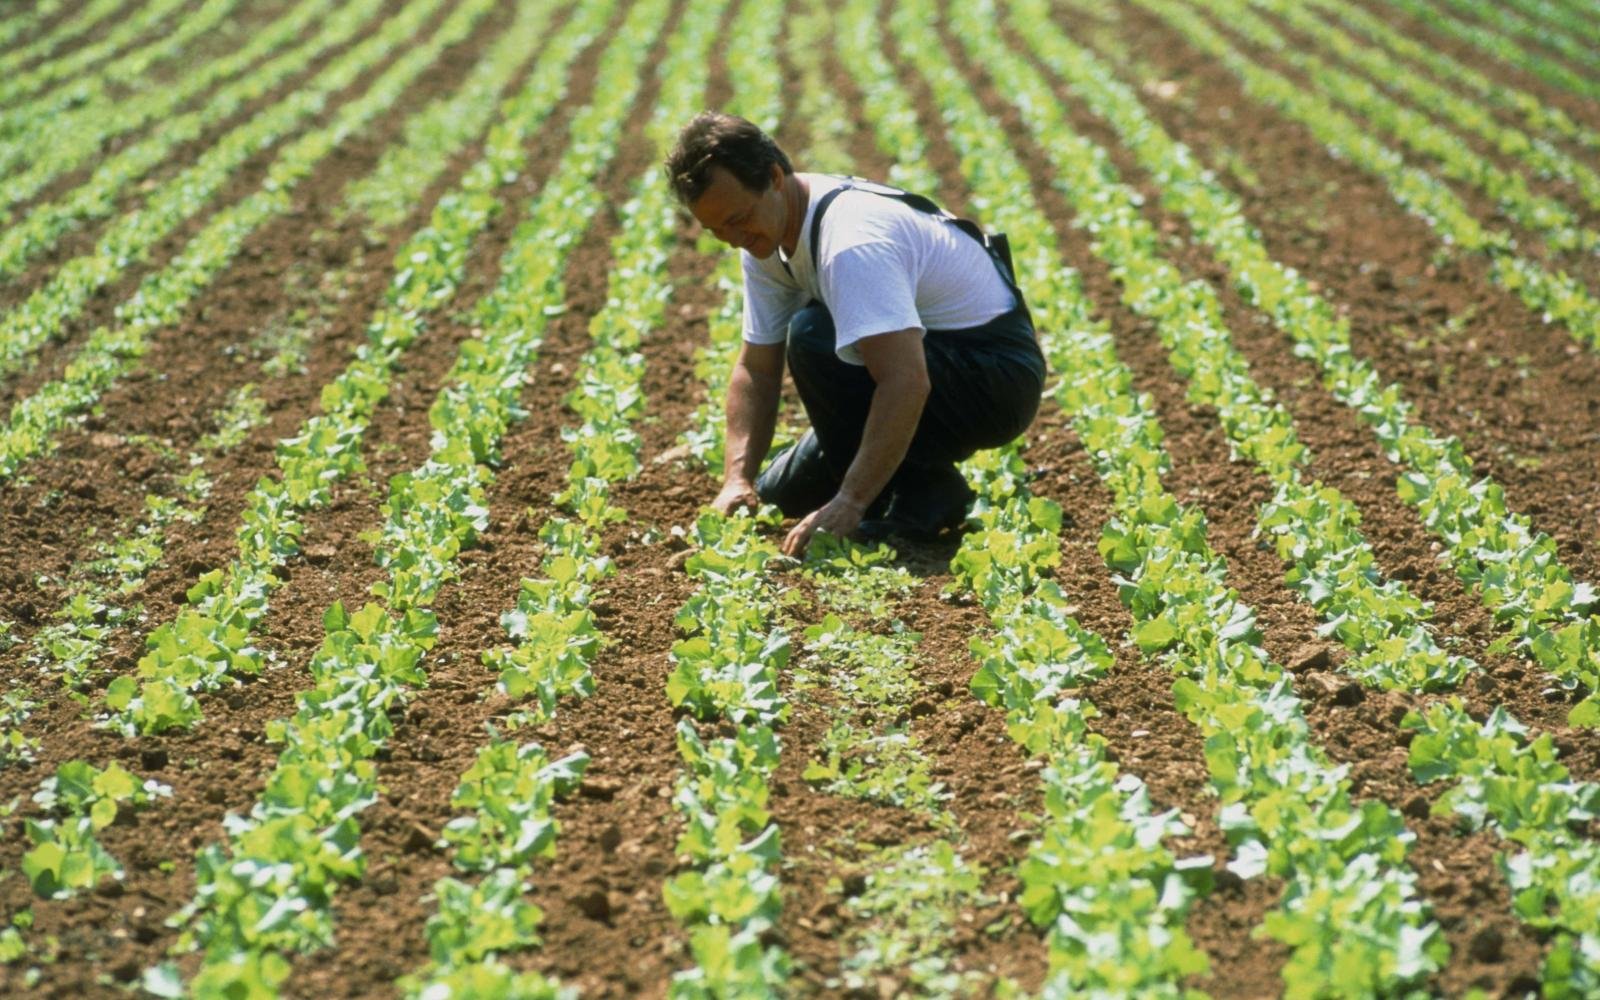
986	383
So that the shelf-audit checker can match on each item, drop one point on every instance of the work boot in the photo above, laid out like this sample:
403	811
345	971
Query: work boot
924	502
799	480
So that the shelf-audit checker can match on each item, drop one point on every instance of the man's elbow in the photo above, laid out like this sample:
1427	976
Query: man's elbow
911	385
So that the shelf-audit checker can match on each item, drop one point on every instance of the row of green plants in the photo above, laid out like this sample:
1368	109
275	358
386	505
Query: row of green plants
1526	791
1500	46
46	313
1554	295
904	918
554	630
78	23
726	670
1560	227
1537	153
1509	782
385	197
112	350
79	137
210	639
726	667
1316	528
1539	116
1097	879
1515	569
126	72
23	21
96	603
154	15
505	827
1571	19
65	856
901	904
1350	912
1510	18
302	839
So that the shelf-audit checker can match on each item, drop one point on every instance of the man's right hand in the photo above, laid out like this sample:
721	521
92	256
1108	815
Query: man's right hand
736	494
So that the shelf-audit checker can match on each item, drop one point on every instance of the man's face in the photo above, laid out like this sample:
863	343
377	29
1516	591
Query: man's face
749	220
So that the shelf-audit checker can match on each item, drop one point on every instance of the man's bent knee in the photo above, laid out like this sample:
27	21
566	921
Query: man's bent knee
811	331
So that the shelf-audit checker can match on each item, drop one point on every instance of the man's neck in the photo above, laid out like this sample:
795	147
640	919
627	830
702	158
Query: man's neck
796	195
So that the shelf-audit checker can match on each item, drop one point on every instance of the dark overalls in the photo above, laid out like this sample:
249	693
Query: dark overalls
985	381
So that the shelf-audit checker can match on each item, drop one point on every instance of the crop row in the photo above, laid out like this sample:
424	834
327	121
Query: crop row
906	910
726	667
125	72
45	313
149	17
1349	913
23	21
79	137
1516	570
76	24
93	608
302	839
1501	47
1560	227
1539	116
1316	529
1540	155
1576	24
385	196
210	639
1506	19
1556	296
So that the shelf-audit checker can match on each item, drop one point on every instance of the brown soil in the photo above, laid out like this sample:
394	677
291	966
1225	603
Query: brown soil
1520	394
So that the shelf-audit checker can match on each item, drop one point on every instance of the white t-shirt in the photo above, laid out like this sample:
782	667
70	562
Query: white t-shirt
884	266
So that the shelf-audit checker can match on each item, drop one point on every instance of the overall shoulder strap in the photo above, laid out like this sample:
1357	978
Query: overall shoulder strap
997	248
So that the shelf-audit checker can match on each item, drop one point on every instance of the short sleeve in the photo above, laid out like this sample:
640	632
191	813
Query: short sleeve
869	289
768	304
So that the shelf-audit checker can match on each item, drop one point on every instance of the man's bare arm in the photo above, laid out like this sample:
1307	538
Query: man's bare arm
899	368
752	415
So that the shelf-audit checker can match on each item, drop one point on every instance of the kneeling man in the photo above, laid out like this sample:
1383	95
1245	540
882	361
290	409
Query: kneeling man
910	344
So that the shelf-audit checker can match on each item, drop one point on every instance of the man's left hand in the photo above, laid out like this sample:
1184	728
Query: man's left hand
839	516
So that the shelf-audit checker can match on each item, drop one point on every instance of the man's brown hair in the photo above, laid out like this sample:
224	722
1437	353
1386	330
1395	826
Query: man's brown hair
713	139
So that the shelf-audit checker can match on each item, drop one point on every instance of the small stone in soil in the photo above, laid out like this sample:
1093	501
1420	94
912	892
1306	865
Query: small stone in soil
1310	656
1487	945
419	838
593	904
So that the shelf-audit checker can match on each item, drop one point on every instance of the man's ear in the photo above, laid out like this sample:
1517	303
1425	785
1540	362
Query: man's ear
777	176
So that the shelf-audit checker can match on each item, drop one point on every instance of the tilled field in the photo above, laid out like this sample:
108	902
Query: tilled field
1265	665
